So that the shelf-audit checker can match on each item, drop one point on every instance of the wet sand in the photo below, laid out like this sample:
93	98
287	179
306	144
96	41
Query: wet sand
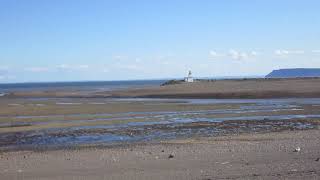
246	156
63	122
223	89
247	88
81	135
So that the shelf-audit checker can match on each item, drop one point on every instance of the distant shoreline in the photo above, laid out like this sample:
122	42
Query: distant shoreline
231	89
209	88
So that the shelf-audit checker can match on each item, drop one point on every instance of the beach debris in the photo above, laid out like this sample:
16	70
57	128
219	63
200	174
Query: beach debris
171	156
318	159
297	149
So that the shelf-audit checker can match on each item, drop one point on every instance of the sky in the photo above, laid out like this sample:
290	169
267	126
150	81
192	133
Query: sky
86	40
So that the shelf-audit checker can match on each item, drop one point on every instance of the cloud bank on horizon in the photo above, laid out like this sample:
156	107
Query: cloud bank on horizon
119	40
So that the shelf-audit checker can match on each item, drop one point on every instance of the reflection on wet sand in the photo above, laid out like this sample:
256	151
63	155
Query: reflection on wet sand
185	119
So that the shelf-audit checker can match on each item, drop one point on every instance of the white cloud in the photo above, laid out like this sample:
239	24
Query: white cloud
254	53
105	70
73	67
130	67
215	54
281	52
284	53
7	77
37	69
4	68
234	54
165	62
82	66
166	56
237	55
119	57
138	60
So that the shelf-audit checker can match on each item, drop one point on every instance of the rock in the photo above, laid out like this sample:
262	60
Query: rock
297	149
162	151
171	156
318	159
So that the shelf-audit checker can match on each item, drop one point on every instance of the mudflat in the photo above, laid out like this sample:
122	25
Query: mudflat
233	88
76	134
242	88
246	156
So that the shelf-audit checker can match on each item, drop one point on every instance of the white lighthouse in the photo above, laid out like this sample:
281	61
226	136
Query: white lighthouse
189	78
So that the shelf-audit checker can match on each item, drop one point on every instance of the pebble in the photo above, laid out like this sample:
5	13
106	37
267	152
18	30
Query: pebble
171	156
297	149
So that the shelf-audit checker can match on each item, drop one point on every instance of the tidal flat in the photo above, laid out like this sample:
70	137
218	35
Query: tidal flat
37	123
151	138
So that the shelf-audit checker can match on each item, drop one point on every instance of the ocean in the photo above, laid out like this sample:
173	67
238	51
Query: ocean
90	85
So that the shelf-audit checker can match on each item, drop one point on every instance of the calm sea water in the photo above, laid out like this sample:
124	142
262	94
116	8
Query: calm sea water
91	85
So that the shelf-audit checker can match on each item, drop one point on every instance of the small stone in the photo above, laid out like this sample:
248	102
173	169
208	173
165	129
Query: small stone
318	159
162	151
297	149
171	156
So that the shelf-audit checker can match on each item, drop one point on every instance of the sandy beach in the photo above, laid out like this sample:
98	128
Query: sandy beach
247	156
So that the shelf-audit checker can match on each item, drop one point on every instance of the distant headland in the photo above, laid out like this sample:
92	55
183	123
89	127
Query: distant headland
295	73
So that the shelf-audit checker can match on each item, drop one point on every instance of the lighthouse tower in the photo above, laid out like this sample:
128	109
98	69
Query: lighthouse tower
189	78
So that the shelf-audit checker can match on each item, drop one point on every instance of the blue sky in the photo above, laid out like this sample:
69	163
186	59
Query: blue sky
74	40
